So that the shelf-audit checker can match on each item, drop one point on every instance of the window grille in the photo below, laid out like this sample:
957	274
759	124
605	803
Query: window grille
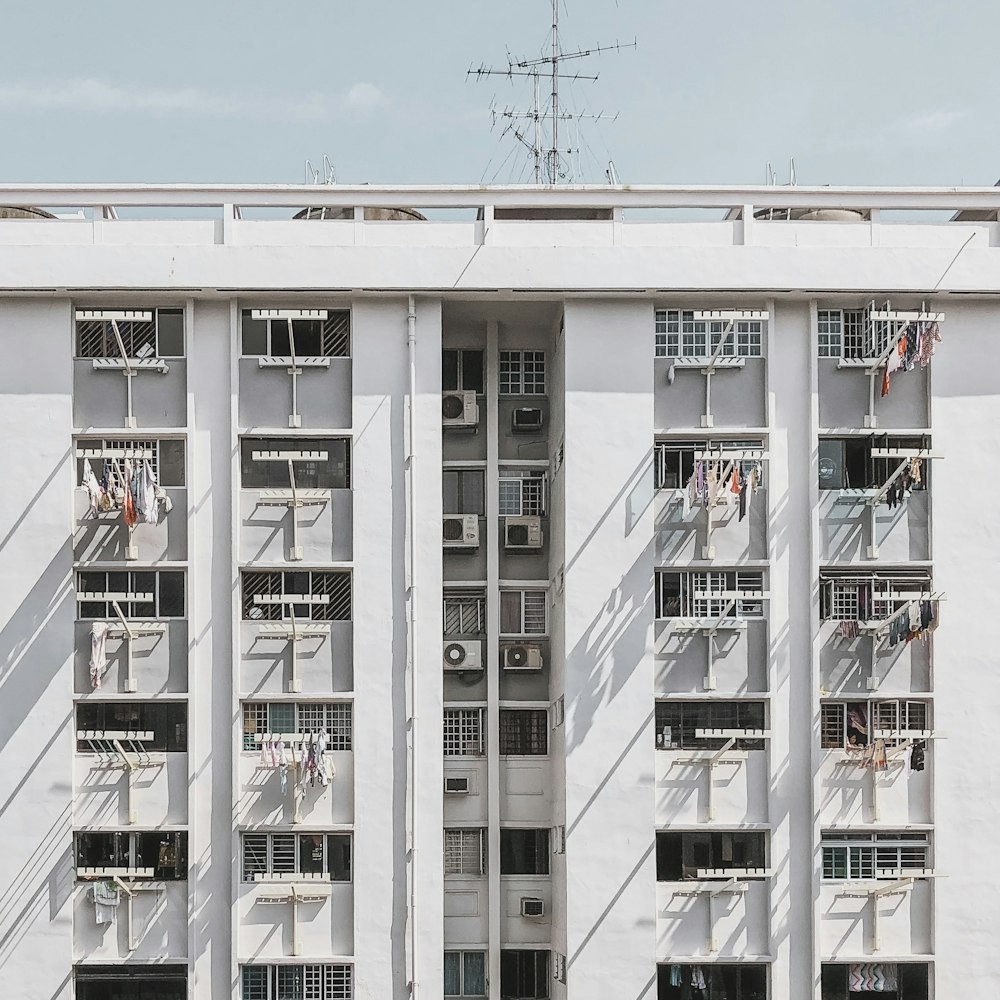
254	855
300	717
522	373
675	594
332	474
830	332
464	612
677	722
463	852
328	855
524	731
166	720
522	494
315	336
851	333
854	596
166	587
852	723
336	585
873	856
522	612
297	982
679	335
463	732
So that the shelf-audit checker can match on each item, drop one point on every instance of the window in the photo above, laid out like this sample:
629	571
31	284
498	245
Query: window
464	611
911	980
558	967
297	853
522	494
847	463
847	595
318	333
680	335
830	329
746	981
463	732
524	731
524	852
465	973
332	474
524	975
166	720
140	594
682	855
297	982
462	369
464	852
130	982
852	723
522	612
145	333
852	333
464	491
872	855
674	462
165	853
676	594
326	595
166	458
678	721
522	373
299	717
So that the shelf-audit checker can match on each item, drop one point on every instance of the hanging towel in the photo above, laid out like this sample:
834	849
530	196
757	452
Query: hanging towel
321	740
914	616
129	512
263	753
917	752
147	493
282	765
92	486
675	975
106	898
698	978
98	652
932	336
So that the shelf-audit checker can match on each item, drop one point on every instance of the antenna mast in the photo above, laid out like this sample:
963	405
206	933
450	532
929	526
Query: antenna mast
547	157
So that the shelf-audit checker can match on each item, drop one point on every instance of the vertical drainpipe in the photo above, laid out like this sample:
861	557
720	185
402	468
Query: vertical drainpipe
411	345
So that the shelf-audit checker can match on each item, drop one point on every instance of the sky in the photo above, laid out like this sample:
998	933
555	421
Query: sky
857	91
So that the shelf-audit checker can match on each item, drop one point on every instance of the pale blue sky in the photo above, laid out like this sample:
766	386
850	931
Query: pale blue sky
858	91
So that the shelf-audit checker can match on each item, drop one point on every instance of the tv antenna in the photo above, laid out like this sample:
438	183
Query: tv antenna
325	174
528	127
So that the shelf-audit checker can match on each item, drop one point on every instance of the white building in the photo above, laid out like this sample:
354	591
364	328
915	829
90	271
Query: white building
588	740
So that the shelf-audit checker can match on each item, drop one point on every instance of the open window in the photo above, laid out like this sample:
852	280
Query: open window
309	595
164	723
682	725
325	856
875	981
712	981
150	854
263	719
524	732
463	370
106	457
331	981
130	981
317	463
523	612
522	493
675	461
524	852
849	724
706	855
145	334
139	593
716	594
872	462
524	974
302	333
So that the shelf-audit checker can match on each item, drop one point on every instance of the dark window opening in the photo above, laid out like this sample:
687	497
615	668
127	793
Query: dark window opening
847	463
524	975
524	852
166	720
130	982
680	855
721	982
851	982
463	369
524	731
678	721
165	853
332	474
464	491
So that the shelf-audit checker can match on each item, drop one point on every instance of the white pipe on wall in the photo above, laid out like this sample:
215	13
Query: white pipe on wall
411	344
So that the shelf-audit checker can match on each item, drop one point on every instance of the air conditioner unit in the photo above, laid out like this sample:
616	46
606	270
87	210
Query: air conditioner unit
522	656
459	409
462	654
532	907
526	418
456	786
460	531
522	532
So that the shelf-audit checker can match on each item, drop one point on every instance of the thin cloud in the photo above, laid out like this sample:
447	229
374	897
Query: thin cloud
96	96
938	120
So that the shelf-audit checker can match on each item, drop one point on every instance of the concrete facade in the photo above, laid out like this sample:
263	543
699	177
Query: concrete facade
546	818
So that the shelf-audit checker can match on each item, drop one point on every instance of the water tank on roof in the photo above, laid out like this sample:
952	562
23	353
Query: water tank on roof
24	213
371	214
811	215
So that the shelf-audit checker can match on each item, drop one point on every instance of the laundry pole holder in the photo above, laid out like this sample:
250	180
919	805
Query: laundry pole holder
124	749
297	765
293	630
128	631
726	459
293	498
294	365
875	893
730	885
131	888
129	367
879	630
726	755
905	455
282	890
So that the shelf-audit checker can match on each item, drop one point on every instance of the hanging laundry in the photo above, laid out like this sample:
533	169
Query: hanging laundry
698	978
129	512
876	977
734	480
146	494
92	486
321	741
282	765
914	616
263	753
98	652
675	975
875	757
701	484
712	489
917	753
931	336
106	896
856	719
849	630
